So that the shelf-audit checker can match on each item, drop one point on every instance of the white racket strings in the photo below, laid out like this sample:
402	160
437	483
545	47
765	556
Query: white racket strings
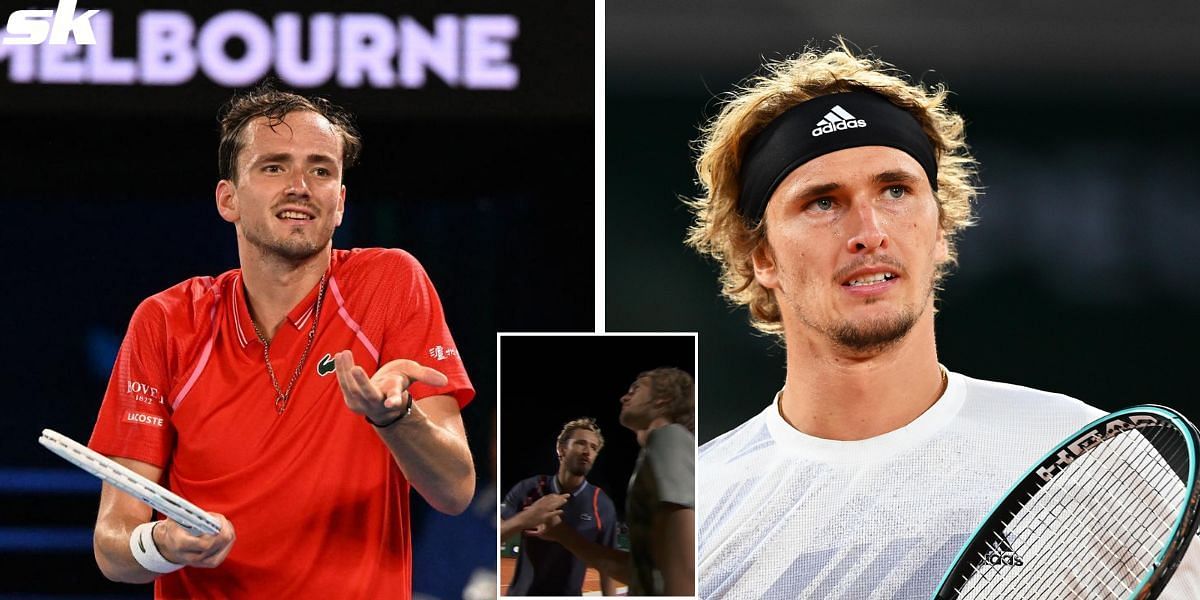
1096	529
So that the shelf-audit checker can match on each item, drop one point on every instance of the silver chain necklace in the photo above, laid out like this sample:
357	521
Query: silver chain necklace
281	397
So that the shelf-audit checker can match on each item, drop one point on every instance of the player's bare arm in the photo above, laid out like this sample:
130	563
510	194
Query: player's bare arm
609	561
429	443
674	538
121	513
608	586
535	515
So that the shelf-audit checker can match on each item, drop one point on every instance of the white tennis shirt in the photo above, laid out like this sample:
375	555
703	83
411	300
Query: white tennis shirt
787	515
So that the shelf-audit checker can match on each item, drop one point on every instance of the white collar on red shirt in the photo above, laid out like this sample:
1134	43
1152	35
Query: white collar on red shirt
298	316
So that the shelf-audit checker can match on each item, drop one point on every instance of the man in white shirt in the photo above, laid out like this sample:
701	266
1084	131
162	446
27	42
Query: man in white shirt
833	192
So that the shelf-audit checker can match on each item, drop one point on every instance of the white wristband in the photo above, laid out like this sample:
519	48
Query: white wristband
146	553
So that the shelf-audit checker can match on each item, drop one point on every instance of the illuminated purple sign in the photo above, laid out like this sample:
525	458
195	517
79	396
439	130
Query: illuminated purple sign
347	50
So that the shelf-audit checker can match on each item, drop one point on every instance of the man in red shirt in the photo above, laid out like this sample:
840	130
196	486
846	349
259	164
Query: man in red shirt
297	398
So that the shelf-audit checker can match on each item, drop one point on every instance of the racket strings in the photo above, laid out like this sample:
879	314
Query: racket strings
1104	554
1103	558
1153	509
1107	561
1111	561
1077	540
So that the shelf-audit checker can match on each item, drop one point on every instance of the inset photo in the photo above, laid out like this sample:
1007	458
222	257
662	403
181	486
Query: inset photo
597	464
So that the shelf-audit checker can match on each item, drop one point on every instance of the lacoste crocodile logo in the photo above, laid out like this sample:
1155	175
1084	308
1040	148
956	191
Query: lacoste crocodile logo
325	366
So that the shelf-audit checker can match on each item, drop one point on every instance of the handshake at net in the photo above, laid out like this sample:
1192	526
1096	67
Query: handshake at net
542	518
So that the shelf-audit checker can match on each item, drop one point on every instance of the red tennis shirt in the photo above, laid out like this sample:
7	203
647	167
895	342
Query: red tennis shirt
319	506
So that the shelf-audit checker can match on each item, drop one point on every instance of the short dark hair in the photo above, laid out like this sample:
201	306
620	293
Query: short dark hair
274	104
679	390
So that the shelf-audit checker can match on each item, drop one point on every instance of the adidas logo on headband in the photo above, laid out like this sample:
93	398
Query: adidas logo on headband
837	119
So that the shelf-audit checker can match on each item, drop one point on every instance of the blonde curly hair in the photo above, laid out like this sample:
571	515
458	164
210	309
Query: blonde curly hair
719	229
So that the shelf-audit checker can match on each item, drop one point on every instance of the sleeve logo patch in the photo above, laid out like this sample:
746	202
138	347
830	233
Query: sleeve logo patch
143	418
143	393
441	353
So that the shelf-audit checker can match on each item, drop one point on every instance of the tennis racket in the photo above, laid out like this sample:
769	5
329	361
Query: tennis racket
1106	515
188	515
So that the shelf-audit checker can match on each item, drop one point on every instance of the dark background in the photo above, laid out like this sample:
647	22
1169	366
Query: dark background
1083	274
546	381
108	198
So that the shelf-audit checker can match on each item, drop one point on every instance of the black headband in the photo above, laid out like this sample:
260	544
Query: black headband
822	125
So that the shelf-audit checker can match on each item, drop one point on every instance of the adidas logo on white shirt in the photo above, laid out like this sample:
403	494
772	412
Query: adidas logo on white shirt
837	119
